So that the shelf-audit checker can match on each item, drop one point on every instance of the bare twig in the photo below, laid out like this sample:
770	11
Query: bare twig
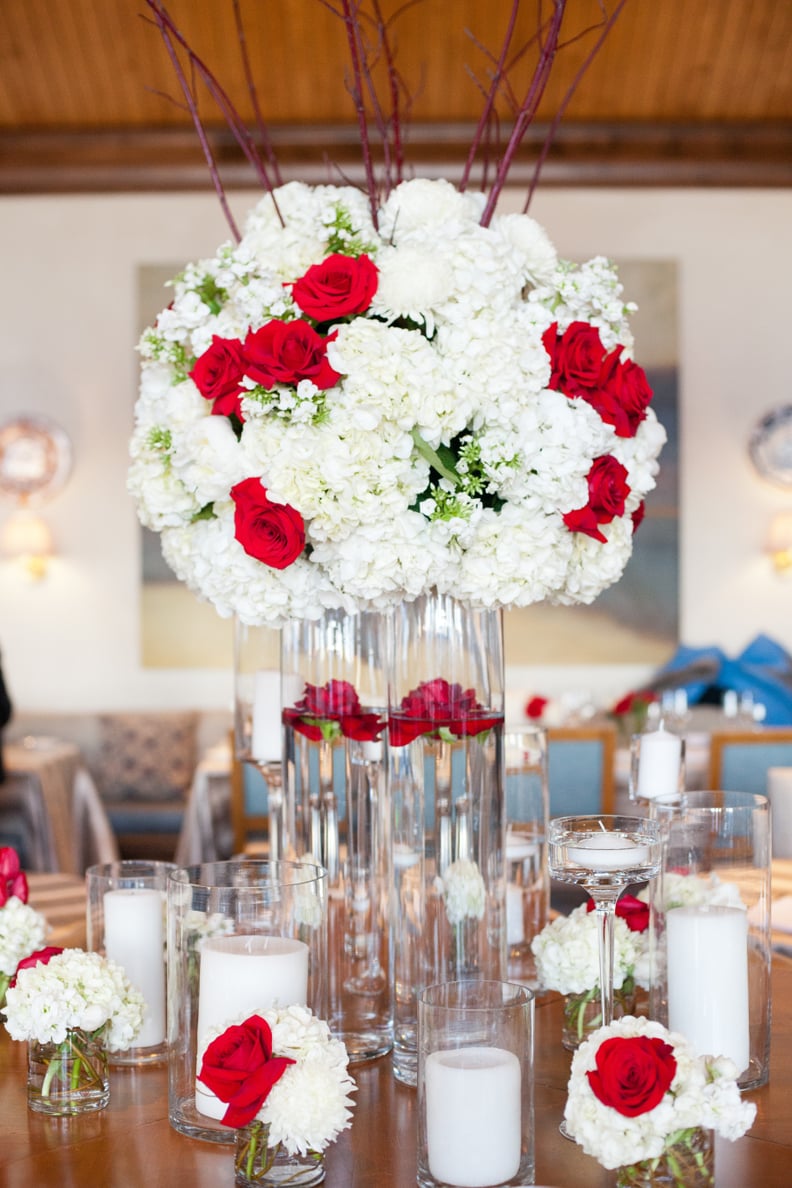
489	103
609	21
199	128
251	85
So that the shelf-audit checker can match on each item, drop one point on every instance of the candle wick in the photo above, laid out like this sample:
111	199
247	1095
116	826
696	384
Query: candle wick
602	827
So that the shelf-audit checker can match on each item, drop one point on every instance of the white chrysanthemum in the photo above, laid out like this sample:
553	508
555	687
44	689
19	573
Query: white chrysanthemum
22	932
537	254
310	1104
703	1093
419	203
74	990
567	952
464	891
412	284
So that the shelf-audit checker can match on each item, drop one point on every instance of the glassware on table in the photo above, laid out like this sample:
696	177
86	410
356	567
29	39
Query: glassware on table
527	880
604	853
657	765
475	1084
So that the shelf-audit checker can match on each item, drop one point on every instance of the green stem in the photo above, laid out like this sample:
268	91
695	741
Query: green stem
434	459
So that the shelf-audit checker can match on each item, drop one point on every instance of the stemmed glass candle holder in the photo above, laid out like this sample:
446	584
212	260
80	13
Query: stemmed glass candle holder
604	854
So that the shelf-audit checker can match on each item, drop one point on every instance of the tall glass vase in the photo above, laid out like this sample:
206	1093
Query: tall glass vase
334	808
447	803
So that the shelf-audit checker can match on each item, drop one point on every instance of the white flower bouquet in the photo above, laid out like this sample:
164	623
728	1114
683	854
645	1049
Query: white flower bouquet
338	413
285	1082
638	1095
74	990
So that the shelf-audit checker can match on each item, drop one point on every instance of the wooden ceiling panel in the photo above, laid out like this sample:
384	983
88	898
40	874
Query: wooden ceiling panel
87	82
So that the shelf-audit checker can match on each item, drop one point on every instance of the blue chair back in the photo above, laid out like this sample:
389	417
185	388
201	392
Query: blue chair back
580	772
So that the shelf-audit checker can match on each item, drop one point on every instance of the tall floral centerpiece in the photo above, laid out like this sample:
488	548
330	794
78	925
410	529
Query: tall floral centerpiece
393	396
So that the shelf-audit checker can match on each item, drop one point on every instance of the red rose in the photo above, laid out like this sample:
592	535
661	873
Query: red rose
634	912
12	879
622	394
239	1068
438	705
632	702
338	702
638	515
535	707
217	374
575	357
608	490
337	288
633	1074
287	352
271	532
40	957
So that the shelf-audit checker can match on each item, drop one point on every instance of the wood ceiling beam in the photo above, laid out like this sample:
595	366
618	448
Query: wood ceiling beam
598	154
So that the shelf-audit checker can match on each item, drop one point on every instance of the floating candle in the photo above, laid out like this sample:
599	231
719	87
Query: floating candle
473	1116
265	742
607	851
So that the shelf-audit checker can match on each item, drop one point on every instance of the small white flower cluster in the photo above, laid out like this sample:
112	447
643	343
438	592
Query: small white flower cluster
74	989
567	952
703	1093
310	1105
464	891
199	926
450	352
22	932
680	890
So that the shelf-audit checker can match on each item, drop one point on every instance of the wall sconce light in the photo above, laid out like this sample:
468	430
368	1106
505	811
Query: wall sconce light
35	462
27	538
779	542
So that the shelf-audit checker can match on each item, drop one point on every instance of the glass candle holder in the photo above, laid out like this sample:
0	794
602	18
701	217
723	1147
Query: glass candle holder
243	936
475	1085
125	921
710	926
527	878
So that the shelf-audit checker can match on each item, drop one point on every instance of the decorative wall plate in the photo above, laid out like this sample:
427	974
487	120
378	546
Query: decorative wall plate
770	446
35	459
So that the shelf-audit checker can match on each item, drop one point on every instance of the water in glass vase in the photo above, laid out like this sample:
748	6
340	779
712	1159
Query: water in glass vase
447	900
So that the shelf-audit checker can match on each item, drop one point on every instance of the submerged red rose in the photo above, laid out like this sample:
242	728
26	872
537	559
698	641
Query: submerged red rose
336	704
633	911
436	706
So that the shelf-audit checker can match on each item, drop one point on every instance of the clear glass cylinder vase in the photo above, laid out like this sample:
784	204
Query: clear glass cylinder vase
334	807
687	1163
70	1077
256	1163
583	1013
447	806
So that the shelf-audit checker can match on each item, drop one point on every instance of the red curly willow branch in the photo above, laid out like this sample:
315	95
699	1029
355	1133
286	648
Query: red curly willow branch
489	101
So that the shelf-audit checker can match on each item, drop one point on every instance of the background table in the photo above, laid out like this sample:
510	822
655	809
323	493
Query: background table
67	827
131	1144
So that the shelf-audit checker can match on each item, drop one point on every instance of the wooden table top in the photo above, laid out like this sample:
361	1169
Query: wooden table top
132	1145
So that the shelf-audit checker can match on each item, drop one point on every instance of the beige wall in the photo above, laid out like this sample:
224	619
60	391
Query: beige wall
67	329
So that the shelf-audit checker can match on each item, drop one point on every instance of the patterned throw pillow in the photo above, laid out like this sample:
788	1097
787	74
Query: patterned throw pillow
147	756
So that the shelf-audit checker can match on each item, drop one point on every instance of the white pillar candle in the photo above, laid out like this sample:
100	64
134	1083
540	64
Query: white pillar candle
515	932
134	938
473	1116
708	980
265	742
659	761
240	975
607	851
779	793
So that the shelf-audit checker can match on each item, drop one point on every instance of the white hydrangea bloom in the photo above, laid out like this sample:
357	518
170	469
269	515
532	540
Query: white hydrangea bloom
22	932
567	952
464	891
74	990
703	1092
